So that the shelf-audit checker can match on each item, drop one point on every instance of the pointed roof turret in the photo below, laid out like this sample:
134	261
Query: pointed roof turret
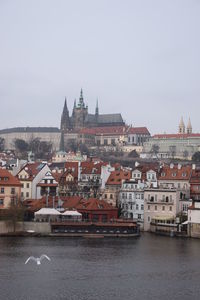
81	103
65	120
181	126
189	127
97	108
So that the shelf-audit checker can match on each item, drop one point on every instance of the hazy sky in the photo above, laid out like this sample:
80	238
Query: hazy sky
138	57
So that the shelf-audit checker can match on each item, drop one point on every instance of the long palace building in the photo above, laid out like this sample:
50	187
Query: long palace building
80	126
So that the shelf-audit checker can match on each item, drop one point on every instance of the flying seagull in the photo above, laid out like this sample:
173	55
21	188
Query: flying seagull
37	259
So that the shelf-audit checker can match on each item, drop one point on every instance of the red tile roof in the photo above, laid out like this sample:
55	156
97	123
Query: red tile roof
167	173
114	130
7	179
36	204
32	169
138	130
90	167
116	177
176	136
94	204
72	168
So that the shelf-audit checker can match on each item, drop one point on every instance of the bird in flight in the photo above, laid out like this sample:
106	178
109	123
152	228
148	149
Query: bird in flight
37	259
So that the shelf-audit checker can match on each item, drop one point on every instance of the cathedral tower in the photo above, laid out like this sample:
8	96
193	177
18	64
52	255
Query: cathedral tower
80	113
189	127
181	126
65	120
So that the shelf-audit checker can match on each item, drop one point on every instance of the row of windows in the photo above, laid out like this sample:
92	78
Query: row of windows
2	191
131	207
106	196
164	198
27	194
156	208
26	185
130	186
130	196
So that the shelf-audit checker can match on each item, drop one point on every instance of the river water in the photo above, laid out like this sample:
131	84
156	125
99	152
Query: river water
149	267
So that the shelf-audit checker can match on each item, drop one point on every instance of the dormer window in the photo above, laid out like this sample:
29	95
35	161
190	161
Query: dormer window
173	174
184	174
163	174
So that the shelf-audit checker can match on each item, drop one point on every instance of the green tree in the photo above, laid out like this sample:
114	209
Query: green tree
2	144
155	150
196	157
21	145
15	212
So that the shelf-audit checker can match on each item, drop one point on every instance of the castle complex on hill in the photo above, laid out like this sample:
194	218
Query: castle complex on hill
80	117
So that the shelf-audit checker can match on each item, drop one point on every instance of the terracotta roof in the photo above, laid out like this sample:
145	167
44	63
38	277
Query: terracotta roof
175	173
195	177
94	204
114	130
32	169
7	179
176	136
138	130
36	204
116	177
72	168
90	167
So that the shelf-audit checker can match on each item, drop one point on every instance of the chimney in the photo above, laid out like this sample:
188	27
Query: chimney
193	166
171	166
179	166
47	200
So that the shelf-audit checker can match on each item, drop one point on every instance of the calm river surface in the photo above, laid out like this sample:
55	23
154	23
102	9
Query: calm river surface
149	267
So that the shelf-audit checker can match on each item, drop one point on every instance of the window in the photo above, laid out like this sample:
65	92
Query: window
111	196
105	196
1	202
105	142
170	208
137	206
113	142
27	185
2	190
163	208
139	216
155	207
148	207
130	196
22	194
27	194
149	219
12	191
142	206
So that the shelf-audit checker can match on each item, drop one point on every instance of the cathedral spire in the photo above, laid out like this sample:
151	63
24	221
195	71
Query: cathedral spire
189	127
81	103
181	126
97	108
65	120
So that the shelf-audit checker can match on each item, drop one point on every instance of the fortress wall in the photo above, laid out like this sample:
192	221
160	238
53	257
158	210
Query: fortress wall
53	137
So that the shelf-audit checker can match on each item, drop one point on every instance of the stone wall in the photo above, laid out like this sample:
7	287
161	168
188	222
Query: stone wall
53	137
37	227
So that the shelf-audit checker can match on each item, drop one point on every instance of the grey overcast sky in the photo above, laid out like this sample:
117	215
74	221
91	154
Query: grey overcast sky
138	57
